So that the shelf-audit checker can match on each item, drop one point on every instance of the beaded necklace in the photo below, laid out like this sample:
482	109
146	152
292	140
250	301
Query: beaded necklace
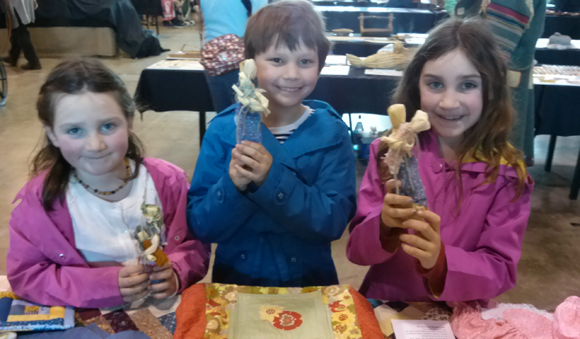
96	191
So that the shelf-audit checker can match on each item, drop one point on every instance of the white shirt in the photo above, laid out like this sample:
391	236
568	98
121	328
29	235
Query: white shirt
282	133
104	230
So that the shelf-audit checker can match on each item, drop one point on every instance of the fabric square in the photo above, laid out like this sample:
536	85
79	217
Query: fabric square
289	316
102	323
397	305
120	321
87	313
169	322
147	323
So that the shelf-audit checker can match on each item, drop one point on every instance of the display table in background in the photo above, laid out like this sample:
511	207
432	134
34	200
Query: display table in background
178	89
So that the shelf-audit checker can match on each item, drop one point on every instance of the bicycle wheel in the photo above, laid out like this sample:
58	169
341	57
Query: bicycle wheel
3	84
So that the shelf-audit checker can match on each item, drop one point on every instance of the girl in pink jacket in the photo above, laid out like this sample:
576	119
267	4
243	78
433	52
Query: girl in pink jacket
79	235
467	245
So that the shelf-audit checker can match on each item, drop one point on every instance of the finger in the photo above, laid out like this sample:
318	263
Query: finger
135	297
256	146
417	242
392	185
423	228
391	222
161	287
134	280
162	295
432	218
398	200
250	175
415	252
400	213
250	151
127	271
135	289
163	275
248	161
162	268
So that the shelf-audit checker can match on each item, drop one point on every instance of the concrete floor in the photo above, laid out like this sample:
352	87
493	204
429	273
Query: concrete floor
548	272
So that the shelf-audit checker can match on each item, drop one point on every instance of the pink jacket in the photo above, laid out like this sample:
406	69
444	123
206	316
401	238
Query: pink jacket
44	266
482	243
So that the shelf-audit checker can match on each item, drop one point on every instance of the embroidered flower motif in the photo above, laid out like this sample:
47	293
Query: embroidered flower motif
232	297
212	324
288	321
333	290
337	307
343	318
269	313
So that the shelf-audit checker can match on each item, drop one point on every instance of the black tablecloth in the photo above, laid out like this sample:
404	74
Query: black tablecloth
567	25
543	55
406	20
120	15
173	90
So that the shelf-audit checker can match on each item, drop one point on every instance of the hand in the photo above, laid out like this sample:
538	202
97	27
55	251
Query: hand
425	244
133	283
253	161
396	208
168	286
240	181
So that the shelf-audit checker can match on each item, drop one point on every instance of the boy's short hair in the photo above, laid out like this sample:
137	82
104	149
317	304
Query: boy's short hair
289	22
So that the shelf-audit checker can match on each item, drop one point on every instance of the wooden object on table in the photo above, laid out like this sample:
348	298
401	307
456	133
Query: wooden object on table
376	31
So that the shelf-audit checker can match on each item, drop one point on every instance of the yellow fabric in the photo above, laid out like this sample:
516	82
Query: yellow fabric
222	299
56	312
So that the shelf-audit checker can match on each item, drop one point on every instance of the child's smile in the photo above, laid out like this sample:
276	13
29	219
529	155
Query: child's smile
451	93
287	76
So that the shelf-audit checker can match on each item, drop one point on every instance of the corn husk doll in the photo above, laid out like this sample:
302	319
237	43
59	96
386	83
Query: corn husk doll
399	159
150	237
251	104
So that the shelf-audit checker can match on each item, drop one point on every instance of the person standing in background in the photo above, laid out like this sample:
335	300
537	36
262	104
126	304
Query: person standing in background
517	26
21	14
223	17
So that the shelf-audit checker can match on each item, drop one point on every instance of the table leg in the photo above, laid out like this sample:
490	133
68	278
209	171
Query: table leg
201	127
576	181
551	147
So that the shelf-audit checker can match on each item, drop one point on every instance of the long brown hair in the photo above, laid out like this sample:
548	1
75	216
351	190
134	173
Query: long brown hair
487	140
75	77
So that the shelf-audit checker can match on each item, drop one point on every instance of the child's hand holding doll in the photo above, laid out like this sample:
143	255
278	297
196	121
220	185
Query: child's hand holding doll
253	161
167	282
133	283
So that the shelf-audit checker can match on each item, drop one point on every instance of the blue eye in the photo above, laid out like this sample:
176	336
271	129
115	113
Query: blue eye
108	127
435	85
276	60
306	62
73	131
468	85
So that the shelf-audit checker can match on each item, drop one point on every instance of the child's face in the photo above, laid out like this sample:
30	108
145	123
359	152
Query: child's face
451	93
287	76
91	132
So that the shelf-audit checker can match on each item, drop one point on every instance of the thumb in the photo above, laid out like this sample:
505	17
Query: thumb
128	271
392	185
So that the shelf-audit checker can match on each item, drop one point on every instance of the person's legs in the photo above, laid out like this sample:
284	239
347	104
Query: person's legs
22	37
220	87
14	54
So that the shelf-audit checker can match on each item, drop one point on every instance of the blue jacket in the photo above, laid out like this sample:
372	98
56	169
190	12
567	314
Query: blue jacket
280	234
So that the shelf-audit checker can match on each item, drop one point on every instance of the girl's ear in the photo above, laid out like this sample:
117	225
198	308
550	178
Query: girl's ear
51	136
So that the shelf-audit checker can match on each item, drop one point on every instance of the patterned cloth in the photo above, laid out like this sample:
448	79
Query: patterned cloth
207	311
120	321
386	311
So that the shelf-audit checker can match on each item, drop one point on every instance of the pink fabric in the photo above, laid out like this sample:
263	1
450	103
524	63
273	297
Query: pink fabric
567	319
516	324
482	243
44	266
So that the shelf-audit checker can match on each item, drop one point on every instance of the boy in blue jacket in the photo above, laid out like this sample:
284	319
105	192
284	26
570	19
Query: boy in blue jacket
274	208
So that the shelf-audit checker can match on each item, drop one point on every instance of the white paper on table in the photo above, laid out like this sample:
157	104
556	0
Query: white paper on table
191	65
335	70
336	60
422	329
384	72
